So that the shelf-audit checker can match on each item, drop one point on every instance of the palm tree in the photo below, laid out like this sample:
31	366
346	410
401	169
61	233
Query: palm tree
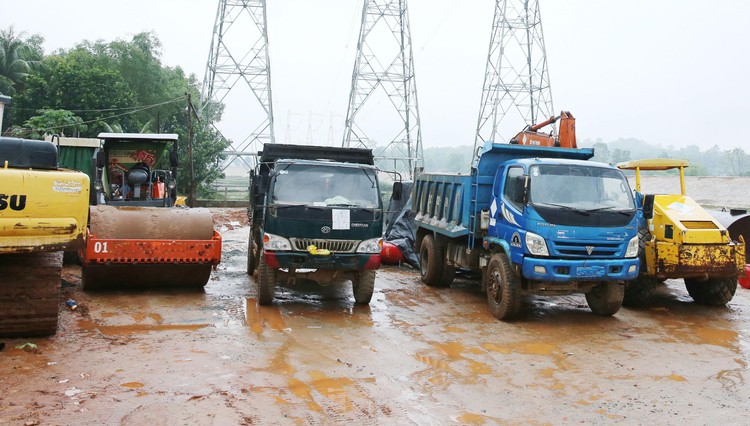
18	54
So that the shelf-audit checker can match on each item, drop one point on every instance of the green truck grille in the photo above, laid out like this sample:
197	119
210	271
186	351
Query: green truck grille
335	246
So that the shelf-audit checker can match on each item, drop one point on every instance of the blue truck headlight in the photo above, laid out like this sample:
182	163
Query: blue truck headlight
632	250
372	245
275	242
536	244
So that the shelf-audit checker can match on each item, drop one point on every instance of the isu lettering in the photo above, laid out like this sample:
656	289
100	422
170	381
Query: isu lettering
15	202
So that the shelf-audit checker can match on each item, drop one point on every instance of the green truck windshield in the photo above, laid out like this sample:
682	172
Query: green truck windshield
325	185
579	187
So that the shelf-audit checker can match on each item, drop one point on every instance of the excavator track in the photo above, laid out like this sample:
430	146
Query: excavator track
29	293
149	247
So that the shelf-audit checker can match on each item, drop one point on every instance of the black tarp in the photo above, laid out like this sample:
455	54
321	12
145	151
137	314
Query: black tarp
400	228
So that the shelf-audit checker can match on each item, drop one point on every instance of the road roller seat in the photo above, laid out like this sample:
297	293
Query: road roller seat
138	175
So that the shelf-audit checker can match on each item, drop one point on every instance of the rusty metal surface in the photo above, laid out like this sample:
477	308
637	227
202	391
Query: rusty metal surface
694	261
738	225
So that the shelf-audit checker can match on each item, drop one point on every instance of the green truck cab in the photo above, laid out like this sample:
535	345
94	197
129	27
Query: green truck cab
316	213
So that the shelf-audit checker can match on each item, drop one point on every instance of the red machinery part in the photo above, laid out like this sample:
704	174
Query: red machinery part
745	281
112	250
390	254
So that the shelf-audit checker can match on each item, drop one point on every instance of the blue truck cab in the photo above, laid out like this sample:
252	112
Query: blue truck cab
532	220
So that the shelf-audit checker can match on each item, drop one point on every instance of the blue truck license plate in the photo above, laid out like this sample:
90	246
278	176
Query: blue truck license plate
590	271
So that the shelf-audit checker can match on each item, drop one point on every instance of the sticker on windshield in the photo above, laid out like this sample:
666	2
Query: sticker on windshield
340	219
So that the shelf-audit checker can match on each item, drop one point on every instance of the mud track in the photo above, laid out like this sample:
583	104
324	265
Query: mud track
415	355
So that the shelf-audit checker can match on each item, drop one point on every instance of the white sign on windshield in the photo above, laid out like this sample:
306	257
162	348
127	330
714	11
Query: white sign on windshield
340	219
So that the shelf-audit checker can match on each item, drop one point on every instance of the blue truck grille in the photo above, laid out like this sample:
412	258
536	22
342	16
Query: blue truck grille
580	249
335	246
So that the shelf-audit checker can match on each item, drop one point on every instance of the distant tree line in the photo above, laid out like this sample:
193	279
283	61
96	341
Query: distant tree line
713	161
118	86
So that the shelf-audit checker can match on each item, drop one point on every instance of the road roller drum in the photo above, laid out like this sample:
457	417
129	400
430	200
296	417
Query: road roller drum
149	247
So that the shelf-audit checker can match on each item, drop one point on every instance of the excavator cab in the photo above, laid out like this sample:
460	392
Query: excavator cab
566	137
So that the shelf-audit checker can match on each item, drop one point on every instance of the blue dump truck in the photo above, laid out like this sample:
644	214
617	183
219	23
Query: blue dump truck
532	220
316	213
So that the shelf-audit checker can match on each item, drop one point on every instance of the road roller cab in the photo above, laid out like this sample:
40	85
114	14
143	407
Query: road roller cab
137	237
136	169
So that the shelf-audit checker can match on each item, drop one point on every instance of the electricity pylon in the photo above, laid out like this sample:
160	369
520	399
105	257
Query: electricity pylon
516	81
385	61
237	61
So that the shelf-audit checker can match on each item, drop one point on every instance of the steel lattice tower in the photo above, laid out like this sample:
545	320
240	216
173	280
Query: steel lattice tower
236	61
516	78
385	60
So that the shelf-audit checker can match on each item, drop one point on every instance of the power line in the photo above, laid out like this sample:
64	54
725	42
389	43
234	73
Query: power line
181	98
137	108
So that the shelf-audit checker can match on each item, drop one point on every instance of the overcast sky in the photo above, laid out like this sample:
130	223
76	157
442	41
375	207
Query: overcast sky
669	72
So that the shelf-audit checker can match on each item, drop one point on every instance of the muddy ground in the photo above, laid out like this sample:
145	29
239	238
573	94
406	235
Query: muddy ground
415	355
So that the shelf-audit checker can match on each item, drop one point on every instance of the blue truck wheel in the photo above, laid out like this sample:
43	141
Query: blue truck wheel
431	260
503	288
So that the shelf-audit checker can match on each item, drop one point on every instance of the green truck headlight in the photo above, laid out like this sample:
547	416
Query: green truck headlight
275	242
372	245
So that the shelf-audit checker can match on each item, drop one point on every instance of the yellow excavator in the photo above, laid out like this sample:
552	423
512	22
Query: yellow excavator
43	212
679	239
137	237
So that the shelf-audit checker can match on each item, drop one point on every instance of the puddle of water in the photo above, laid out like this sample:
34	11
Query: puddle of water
259	317
303	391
524	348
132	385
147	328
470	419
333	388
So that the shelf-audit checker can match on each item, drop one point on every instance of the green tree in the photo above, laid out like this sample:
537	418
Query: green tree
49	121
77	82
19	55
122	86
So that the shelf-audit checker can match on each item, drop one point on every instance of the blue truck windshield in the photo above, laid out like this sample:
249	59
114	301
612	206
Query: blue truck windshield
580	187
325	185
